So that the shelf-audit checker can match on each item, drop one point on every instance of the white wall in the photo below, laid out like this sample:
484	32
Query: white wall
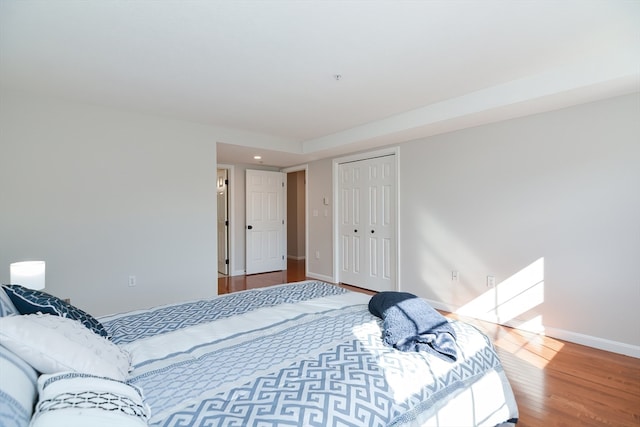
563	187
319	185
548	204
101	195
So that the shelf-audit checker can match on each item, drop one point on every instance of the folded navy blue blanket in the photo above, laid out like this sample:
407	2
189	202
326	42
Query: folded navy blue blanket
411	324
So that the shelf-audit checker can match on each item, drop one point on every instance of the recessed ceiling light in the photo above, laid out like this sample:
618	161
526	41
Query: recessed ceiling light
257	157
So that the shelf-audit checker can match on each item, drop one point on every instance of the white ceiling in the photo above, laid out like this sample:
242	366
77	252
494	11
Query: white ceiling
264	71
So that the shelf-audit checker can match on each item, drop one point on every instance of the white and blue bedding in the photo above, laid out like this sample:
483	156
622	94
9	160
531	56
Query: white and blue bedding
304	354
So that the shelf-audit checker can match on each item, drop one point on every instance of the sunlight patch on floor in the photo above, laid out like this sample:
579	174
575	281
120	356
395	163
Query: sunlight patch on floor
536	349
508	303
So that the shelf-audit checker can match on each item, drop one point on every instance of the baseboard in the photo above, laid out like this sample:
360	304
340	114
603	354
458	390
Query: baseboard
595	342
320	277
441	306
561	334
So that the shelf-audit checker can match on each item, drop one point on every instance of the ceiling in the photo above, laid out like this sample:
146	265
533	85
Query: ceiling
296	81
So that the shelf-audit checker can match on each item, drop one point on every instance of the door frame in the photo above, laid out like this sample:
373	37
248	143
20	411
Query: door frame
304	168
222	193
395	151
231	207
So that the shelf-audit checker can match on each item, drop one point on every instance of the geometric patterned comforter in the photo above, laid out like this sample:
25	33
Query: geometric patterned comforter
303	354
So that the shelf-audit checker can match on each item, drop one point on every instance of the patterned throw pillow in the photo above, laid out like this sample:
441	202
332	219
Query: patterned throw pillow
29	301
6	306
79	400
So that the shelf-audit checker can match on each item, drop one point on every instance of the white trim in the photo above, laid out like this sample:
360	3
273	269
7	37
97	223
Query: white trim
398	204
389	151
441	306
321	277
231	206
239	273
561	334
595	342
297	168
285	220
367	155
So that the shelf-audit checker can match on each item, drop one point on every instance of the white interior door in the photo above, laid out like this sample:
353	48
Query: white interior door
223	222
367	223
265	221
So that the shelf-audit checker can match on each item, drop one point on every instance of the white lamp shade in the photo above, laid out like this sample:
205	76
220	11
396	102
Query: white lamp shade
29	274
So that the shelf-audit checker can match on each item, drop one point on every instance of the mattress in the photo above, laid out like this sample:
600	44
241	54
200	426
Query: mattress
302	354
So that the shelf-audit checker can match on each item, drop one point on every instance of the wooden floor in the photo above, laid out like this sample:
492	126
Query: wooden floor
556	383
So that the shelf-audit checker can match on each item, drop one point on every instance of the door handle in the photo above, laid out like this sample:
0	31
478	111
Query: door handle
355	231
373	231
250	227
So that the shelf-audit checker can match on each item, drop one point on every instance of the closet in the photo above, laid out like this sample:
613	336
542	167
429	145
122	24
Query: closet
367	223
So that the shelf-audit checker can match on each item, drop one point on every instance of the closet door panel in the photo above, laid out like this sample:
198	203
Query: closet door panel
367	223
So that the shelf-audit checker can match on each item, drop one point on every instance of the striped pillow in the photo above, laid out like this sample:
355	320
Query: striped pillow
18	391
79	400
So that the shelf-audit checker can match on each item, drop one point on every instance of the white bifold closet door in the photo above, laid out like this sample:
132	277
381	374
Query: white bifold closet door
366	214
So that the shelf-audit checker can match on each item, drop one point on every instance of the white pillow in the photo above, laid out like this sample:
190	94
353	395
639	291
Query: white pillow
70	399
54	344
18	391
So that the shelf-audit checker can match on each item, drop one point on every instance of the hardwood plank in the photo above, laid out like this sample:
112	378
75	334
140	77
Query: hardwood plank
555	383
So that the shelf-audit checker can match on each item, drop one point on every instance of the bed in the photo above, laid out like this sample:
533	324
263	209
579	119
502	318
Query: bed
301	354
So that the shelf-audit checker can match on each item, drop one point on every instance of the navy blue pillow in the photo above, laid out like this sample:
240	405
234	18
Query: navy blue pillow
29	301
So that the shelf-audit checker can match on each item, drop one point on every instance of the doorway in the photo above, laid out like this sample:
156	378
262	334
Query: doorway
263	232
232	223
297	219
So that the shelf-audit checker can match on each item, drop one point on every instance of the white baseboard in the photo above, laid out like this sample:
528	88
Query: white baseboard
561	334
595	342
320	277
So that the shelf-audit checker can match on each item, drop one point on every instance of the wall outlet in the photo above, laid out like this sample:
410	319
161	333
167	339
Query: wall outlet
317	254
132	281
491	281
454	276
